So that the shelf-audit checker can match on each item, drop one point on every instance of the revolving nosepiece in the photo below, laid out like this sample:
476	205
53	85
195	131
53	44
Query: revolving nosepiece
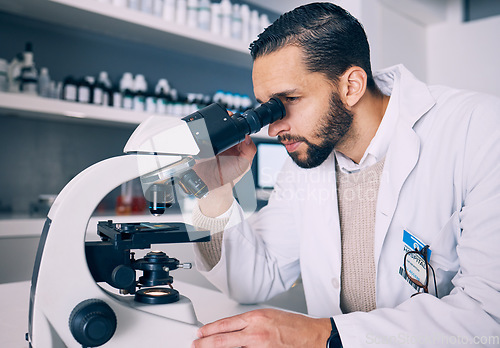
160	197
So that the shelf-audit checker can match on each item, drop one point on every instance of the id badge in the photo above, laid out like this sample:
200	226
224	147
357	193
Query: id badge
412	243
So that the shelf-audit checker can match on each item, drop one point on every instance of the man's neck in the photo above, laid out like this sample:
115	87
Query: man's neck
368	114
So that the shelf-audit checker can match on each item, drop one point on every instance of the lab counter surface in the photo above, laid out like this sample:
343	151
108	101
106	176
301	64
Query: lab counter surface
209	306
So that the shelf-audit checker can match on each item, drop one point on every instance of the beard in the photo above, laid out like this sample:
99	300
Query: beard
331	128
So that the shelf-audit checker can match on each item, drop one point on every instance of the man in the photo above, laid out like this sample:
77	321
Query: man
393	187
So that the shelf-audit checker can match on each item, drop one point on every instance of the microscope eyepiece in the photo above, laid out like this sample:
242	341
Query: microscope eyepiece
215	131
263	115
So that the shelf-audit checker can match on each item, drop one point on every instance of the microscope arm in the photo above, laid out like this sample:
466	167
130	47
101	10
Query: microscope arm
61	253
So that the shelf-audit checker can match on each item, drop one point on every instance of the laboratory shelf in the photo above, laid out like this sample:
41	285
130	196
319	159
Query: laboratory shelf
24	105
119	22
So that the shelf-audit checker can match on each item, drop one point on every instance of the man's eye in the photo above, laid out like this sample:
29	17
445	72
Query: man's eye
291	99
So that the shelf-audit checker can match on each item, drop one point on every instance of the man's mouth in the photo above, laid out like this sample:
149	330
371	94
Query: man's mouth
291	146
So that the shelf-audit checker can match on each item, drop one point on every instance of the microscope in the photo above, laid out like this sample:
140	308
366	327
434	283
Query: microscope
69	306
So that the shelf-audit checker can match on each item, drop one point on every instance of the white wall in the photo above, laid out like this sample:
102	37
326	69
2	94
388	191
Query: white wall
281	6
465	55
394	38
440	48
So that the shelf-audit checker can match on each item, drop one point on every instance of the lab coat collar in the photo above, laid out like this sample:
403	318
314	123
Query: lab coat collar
416	99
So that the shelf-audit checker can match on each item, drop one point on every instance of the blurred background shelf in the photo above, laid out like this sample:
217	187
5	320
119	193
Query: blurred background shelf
124	23
24	105
53	109
60	110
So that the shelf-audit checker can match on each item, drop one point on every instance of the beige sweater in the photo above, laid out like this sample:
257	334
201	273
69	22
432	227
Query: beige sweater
357	196
211	251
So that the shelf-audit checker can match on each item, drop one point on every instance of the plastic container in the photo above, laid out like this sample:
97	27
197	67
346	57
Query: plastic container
29	74
254	24
98	93
44	83
168	13
162	90
55	90
29	80
226	17
140	89
245	22
14	73
117	98
204	15
127	91
215	19
157	8
146	6
264	22
85	86
180	12
134	4
102	90
69	89
4	82
192	13
236	24
150	104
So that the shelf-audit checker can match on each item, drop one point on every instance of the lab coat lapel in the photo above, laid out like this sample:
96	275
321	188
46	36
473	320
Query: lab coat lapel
321	256
403	153
327	229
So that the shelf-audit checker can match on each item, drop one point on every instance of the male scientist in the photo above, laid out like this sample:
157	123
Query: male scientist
388	208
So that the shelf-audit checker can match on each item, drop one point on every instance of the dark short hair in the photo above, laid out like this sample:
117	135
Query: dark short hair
331	38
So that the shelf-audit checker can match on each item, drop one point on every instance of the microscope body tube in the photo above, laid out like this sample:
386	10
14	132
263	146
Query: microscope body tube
215	131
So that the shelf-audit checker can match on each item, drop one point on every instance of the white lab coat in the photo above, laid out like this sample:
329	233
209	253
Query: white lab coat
441	182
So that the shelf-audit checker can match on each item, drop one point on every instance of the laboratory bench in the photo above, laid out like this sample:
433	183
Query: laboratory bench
209	306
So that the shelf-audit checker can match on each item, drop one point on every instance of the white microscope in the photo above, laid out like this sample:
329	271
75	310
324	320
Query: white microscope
78	312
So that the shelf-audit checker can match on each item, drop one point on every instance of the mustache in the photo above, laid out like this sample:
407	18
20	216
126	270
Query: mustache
291	138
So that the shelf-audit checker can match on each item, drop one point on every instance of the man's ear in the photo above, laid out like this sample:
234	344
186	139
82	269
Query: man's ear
352	85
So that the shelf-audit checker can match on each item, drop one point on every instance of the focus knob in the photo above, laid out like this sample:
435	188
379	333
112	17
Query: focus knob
92	323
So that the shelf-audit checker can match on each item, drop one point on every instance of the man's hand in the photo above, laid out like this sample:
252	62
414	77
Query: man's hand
264	328
227	167
222	173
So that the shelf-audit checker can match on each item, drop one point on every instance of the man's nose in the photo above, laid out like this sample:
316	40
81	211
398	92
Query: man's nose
278	127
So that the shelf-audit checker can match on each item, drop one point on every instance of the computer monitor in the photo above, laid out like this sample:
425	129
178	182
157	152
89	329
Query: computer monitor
268	161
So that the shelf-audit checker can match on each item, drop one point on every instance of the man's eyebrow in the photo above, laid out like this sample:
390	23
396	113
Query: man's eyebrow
284	93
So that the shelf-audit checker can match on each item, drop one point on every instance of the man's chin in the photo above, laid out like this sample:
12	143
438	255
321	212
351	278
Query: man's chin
310	160
303	161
